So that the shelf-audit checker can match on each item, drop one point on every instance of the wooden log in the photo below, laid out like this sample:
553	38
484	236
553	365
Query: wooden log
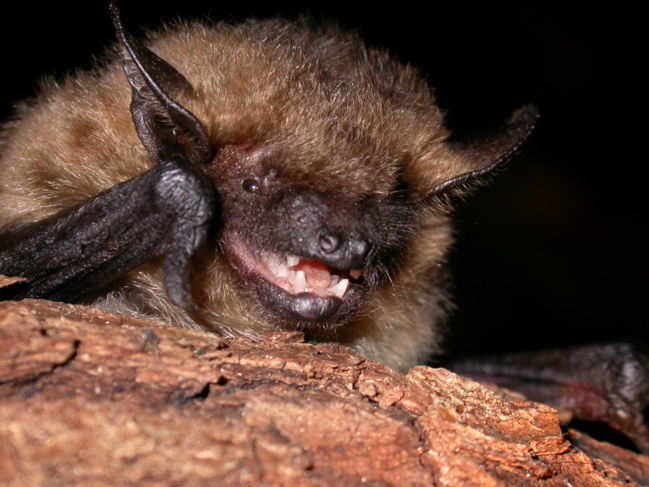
88	398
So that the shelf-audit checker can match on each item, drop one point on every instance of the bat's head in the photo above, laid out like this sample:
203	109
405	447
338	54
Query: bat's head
330	161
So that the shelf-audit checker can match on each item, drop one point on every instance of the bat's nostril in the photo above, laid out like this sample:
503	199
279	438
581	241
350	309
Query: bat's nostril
329	243
341	252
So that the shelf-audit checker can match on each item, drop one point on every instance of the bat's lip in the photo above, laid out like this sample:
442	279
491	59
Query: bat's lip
299	288
303	306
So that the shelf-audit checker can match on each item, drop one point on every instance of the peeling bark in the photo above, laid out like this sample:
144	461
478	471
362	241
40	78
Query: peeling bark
88	398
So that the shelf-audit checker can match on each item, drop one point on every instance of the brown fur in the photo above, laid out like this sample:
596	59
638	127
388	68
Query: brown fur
346	119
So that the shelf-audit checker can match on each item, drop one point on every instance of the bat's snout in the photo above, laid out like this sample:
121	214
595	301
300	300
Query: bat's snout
324	228
340	251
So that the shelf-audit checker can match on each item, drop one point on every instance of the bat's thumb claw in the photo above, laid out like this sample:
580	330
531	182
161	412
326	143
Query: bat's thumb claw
184	302
176	280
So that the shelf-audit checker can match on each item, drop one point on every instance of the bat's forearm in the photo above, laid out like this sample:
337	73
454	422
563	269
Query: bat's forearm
76	253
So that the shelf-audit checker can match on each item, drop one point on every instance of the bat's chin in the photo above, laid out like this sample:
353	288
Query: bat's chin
300	289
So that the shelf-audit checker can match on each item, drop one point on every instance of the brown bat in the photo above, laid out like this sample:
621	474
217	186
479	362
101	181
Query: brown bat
291	177
245	179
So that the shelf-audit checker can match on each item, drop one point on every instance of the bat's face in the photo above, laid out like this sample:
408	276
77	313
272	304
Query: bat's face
311	253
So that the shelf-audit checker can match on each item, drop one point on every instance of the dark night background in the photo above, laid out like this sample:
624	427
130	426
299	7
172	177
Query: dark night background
554	251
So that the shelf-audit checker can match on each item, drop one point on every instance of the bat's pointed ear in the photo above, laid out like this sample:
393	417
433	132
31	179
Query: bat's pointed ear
166	128
484	153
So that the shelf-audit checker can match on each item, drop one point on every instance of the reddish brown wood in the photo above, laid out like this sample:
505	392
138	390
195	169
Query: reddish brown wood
88	398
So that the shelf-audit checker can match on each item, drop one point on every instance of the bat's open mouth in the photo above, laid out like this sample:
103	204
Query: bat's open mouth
304	288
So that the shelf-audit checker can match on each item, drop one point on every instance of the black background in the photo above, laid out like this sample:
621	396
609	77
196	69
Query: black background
554	252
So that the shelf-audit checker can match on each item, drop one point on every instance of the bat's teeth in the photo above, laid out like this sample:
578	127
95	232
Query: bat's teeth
339	289
275	264
296	275
282	272
299	286
291	277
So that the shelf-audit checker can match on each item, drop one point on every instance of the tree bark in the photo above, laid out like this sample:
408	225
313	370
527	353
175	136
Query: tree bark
88	398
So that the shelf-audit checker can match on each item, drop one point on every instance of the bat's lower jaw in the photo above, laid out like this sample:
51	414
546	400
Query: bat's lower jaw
304	308
310	308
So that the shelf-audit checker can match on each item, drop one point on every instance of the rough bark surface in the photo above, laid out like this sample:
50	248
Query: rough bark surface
88	398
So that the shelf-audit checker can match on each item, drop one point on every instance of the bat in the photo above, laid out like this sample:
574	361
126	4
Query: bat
272	175
267	176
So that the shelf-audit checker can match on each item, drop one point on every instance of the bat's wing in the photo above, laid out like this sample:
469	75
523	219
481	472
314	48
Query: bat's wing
601	383
166	210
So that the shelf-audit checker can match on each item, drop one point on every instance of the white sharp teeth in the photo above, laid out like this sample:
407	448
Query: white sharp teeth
282	271
275	264
334	280
355	273
339	289
292	260
300	282
272	261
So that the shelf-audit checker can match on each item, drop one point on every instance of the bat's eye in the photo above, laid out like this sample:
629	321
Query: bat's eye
250	185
